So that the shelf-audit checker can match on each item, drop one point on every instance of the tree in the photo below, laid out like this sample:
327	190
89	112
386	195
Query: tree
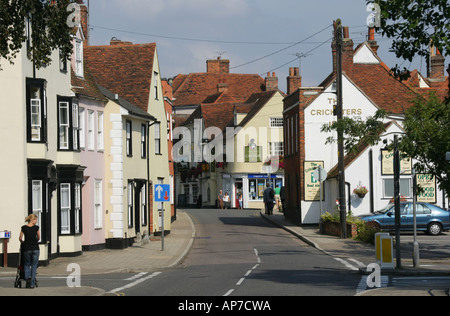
414	25
48	29
427	137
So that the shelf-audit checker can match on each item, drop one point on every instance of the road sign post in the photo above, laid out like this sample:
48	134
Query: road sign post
162	195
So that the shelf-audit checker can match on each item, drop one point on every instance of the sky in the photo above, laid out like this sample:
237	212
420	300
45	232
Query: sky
257	36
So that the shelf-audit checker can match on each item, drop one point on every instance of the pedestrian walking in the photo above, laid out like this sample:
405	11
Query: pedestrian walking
277	196
29	239
220	198
269	199
241	201
226	201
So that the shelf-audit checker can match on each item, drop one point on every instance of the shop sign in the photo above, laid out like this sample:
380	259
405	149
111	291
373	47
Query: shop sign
312	185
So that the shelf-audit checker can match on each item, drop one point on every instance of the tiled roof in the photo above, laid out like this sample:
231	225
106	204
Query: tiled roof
124	69
86	86
197	88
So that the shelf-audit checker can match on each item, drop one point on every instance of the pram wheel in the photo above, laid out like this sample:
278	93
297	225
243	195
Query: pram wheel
18	284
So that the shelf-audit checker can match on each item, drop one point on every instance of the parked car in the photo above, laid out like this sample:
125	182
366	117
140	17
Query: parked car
430	218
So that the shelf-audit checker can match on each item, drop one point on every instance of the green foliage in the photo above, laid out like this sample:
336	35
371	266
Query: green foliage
427	137
357	130
366	231
49	29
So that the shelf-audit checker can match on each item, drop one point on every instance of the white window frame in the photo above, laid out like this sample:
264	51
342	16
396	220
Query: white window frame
75	125
36	113
98	204
82	127
77	208
65	209
91	130
157	127
37	203
100	132
64	124
276	149
130	203
129	138
144	205
405	184
276	122
143	141
79	67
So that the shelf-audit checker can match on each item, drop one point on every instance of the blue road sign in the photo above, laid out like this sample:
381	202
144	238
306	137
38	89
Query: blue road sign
162	193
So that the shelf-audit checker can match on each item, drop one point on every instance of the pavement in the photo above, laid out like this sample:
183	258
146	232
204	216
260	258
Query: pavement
149	257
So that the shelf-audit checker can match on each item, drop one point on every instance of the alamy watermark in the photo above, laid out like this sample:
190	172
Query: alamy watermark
74	18
374	18
237	144
73	280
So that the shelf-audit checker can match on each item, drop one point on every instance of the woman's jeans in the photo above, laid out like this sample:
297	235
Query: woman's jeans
31	260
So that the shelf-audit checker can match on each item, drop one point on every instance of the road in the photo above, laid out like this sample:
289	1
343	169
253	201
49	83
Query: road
237	253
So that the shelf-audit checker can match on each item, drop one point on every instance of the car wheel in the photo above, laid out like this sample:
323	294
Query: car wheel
434	229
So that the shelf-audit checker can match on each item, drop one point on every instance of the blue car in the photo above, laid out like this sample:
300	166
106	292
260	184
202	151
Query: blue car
430	218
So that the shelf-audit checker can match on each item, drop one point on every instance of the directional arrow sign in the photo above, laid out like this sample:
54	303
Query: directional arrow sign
162	193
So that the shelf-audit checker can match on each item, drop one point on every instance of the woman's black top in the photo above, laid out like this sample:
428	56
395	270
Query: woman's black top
31	241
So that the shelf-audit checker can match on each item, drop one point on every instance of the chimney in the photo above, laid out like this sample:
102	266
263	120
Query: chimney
436	65
218	66
372	42
347	50
222	87
271	82
294	81
117	42
84	21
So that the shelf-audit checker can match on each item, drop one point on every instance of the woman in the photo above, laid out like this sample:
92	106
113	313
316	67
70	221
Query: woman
226	200
30	249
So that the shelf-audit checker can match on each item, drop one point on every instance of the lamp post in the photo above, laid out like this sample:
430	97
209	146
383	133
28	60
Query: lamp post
397	201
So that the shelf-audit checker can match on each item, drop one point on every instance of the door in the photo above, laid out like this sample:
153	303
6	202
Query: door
238	191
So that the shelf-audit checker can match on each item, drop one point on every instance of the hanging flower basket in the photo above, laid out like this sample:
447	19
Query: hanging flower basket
360	191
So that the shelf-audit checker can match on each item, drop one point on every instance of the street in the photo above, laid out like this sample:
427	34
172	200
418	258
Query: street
240	254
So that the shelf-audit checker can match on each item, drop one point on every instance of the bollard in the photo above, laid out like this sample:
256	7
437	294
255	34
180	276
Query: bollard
384	250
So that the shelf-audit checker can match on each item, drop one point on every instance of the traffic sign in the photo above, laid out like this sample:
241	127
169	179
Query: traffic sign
162	193
320	174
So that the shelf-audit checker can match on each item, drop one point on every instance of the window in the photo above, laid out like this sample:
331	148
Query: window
157	138
82	128
68	124
100	139
75	126
276	122
143	141
155	74
389	188
36	123
90	131
79	69
129	142
98	204
64	125
144	205
77	210
65	208
130	203
276	149
36	201
36	111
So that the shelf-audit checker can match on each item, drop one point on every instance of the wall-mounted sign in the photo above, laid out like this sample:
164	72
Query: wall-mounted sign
427	183
312	185
5	235
387	163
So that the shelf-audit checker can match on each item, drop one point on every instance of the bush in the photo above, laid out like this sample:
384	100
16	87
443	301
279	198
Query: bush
366	231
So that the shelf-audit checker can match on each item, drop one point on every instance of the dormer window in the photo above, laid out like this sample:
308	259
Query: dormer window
79	68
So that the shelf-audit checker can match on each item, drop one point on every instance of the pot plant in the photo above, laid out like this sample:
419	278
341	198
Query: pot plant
360	191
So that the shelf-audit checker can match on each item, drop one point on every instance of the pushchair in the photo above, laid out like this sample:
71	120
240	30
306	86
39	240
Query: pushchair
20	275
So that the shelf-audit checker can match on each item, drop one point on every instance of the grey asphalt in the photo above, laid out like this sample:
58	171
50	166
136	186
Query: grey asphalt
149	257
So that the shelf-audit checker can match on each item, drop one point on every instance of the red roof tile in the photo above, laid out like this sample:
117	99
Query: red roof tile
124	69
